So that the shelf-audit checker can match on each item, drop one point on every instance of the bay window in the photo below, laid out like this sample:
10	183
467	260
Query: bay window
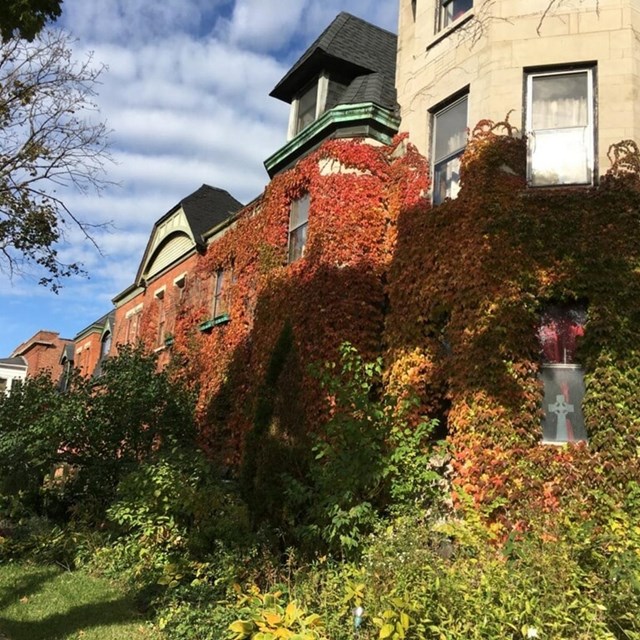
560	127
449	141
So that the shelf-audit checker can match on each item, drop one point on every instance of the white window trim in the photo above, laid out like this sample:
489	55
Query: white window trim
180	280
298	226
440	27
530	75
132	312
322	91
448	158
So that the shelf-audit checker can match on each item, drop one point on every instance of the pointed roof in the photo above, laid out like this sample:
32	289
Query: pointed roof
350	47
197	213
13	362
205	208
100	325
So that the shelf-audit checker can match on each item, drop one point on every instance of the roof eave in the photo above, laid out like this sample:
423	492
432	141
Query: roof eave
384	125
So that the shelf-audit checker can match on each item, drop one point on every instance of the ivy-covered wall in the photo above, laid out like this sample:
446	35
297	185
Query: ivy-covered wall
451	295
468	282
252	373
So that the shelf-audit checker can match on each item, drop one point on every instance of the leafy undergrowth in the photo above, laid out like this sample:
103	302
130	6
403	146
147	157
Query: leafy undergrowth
40	602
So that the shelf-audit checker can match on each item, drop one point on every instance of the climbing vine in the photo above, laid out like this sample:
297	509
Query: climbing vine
451	296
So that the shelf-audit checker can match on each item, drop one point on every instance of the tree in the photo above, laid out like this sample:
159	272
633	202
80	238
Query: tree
50	139
26	18
101	428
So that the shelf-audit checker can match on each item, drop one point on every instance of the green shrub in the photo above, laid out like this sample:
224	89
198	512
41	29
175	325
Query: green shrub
269	616
370	460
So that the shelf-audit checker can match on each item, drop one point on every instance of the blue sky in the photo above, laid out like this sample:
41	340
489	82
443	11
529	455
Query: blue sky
186	95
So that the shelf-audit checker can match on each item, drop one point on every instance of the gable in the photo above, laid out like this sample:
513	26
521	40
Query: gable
172	249
171	239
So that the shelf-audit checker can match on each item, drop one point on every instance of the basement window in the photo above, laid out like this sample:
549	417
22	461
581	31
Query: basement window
561	327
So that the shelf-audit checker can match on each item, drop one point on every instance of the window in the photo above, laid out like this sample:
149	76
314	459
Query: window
307	104
3	385
560	127
298	221
221	297
449	141
160	327
451	10
560	328
106	345
67	371
180	283
133	323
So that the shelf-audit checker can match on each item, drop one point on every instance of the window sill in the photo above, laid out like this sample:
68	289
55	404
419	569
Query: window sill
447	31
213	322
551	189
564	443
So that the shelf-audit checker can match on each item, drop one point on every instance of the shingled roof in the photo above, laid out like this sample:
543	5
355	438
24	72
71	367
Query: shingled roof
13	362
206	208
352	48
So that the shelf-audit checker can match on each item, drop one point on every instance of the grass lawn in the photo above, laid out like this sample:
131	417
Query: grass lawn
46	603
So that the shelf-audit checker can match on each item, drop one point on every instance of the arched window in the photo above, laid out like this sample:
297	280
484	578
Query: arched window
106	345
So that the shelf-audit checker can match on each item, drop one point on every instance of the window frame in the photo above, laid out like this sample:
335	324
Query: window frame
220	301
446	160
105	340
310	89
442	21
530	74
295	229
561	376
320	84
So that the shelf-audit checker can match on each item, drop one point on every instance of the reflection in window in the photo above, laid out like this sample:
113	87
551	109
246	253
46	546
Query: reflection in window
451	10
449	141
307	103
220	296
298	222
106	345
560	127
561	327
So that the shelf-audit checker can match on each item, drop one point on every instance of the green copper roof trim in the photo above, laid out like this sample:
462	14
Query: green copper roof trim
343	114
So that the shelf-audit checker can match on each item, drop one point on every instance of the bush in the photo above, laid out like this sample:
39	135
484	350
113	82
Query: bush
370	460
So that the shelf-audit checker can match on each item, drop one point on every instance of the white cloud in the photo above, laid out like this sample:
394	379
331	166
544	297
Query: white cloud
186	93
256	25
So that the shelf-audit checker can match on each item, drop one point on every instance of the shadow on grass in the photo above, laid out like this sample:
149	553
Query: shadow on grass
25	586
63	625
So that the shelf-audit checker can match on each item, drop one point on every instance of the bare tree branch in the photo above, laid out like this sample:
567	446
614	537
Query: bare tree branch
50	139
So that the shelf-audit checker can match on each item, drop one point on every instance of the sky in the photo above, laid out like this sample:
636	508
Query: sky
186	95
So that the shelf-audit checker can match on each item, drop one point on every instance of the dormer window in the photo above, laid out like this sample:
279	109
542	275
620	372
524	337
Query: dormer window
106	345
309	105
